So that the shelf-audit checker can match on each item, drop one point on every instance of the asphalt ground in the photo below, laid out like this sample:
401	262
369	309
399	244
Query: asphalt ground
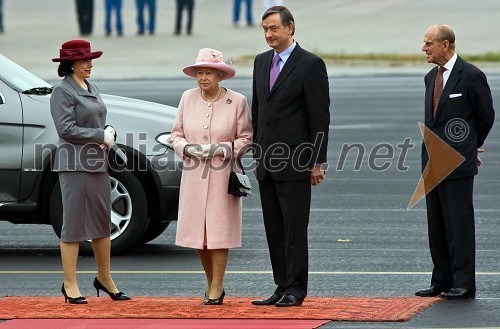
363	241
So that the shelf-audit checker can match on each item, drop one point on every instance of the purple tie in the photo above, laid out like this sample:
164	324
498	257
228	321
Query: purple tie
275	71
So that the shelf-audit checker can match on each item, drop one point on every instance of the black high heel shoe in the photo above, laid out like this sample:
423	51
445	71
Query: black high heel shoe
77	300
217	301
118	296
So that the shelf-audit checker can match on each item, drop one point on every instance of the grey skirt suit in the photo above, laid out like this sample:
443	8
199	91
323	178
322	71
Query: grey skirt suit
79	117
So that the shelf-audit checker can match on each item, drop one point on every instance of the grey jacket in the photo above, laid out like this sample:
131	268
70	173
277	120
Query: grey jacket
79	116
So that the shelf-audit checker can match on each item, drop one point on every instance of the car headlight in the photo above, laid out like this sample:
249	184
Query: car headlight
164	139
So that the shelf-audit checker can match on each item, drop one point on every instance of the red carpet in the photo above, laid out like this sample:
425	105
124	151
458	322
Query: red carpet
162	324
314	308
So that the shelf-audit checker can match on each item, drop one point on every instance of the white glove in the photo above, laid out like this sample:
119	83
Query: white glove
111	130
217	149
208	151
191	149
109	140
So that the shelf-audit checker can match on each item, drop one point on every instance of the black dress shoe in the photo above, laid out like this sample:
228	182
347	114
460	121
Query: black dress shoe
289	300
459	293
114	296
430	292
216	301
76	300
270	301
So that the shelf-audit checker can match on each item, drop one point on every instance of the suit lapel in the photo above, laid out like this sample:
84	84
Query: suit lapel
267	64
453	79
79	90
287	69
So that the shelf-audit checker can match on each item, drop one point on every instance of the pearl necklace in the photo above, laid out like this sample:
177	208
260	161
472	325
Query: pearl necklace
210	102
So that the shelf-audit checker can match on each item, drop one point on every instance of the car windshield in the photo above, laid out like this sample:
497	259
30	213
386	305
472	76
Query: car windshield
19	78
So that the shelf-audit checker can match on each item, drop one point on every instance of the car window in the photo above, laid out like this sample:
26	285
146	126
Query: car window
17	77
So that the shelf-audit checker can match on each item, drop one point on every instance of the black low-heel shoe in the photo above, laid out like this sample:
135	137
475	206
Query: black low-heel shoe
217	301
77	300
118	296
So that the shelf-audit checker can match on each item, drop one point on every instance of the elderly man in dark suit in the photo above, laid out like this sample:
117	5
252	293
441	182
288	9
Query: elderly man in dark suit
457	93
290	116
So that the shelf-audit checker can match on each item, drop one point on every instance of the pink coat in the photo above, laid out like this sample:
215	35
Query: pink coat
209	216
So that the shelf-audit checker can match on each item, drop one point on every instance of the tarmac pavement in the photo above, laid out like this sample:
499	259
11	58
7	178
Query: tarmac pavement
34	31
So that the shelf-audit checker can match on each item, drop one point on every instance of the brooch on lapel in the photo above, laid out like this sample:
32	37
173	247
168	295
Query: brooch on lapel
228	101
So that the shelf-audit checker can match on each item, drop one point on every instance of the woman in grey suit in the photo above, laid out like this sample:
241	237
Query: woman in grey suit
81	162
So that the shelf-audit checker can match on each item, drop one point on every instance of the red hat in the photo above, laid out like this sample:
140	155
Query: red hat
75	50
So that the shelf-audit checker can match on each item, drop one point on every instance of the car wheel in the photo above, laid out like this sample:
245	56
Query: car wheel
129	220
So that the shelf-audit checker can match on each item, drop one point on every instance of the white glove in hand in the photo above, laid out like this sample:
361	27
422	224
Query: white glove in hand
207	151
216	149
108	141
111	130
191	149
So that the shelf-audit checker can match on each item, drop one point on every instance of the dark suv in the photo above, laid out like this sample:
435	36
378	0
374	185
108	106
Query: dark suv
144	192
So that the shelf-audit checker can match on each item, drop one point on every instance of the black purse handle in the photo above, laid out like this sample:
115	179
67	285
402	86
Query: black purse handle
238	159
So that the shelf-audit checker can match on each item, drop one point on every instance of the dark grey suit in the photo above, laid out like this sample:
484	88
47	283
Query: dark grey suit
79	117
450	210
290	125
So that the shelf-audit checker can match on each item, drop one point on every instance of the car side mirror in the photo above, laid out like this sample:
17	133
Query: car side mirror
2	98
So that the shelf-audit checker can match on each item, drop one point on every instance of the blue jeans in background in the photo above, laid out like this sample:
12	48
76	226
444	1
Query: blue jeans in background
1	16
140	15
115	5
237	8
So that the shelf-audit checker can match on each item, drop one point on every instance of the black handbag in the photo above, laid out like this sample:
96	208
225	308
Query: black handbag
239	184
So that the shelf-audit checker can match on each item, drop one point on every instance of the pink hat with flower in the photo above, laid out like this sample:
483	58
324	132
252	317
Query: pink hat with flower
210	58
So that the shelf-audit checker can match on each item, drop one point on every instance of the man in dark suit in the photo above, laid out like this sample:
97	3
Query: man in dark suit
459	110
290	117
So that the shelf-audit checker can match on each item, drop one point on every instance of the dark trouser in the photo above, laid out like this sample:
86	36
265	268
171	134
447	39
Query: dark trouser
450	216
115	5
237	9
286	207
85	11
189	5
140	15
1	15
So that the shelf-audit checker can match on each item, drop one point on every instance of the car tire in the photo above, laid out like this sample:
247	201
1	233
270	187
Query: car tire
129	219
155	229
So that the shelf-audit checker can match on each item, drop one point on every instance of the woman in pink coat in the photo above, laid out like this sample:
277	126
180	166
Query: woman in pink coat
209	118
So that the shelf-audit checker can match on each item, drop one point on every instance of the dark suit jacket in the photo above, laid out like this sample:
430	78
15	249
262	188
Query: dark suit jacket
292	120
466	96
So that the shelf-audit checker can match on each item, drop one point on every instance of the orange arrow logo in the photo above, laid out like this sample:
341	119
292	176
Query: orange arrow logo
443	159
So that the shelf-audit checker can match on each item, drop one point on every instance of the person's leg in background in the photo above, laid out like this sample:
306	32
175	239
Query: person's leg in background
152	16
118	8
236	12
140	16
190	7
